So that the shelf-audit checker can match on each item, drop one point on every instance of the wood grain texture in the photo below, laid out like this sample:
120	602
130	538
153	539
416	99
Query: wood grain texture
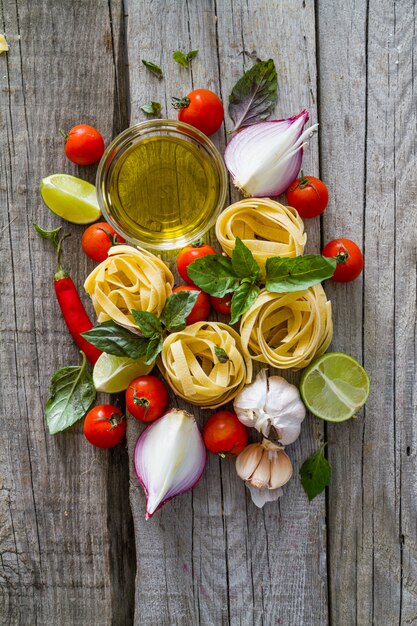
60	511
211	557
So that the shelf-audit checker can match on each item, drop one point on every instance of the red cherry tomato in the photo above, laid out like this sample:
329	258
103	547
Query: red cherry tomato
349	259
201	309
222	305
190	254
202	109
147	398
97	240
84	145
224	434
308	195
104	426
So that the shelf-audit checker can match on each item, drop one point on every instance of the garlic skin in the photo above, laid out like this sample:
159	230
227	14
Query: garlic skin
170	457
265	468
271	403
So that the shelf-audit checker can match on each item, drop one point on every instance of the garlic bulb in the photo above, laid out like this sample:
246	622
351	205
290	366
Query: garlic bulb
265	468
271	403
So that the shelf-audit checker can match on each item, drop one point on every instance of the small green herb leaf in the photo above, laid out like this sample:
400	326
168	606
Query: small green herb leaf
177	308
221	354
214	274
154	348
50	235
284	275
254	96
243	263
243	298
148	323
116	340
315	473
152	108
184	59
72	393
152	67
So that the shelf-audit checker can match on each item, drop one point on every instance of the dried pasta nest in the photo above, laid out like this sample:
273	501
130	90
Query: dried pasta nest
266	227
287	330
192	368
130	278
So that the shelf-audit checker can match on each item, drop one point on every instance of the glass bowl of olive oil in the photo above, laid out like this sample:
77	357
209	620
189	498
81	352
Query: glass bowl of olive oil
161	184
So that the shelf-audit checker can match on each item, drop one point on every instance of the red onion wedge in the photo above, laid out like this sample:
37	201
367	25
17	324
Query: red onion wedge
265	158
170	457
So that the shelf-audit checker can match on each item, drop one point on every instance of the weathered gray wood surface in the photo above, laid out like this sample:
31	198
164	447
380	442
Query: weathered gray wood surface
67	546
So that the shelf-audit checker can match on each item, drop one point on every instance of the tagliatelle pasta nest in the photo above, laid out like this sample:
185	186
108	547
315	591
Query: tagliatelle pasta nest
266	227
130	278
192	368
287	330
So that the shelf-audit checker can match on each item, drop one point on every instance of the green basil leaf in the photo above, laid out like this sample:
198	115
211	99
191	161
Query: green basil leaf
154	348
184	59
243	263
254	96
177	308
213	274
315	473
283	275
243	298
152	108
152	67
221	354
117	340
50	235
148	323
72	392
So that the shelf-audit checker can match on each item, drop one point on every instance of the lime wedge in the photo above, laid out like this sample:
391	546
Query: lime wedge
72	198
334	387
112	374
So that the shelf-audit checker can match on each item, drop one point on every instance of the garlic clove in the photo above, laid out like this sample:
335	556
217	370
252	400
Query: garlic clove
262	474
248	460
287	433
281	470
261	496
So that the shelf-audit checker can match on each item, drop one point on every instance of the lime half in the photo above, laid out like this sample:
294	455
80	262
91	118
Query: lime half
72	198
112	374
334	387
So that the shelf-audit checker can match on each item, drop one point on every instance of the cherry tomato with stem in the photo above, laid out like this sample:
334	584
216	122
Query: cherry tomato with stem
202	109
201	309
190	254
222	305
349	259
84	145
224	434
104	426
97	240
308	195
147	398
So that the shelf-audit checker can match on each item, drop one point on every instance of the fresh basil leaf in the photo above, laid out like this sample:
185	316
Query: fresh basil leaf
315	473
152	108
152	67
243	263
283	275
221	354
154	348
148	323
50	235
243	298
177	308
72	392
254	96
214	274
117	340
184	59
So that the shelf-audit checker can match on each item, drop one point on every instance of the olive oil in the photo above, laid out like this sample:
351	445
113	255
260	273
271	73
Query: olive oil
163	188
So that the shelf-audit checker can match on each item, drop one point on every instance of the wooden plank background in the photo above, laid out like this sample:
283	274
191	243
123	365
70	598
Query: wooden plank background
69	552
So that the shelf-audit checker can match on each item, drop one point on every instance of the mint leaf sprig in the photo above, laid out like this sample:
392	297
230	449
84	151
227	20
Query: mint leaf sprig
184	59
315	473
120	341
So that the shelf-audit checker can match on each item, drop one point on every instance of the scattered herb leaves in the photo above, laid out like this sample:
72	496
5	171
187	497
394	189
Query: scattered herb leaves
50	235
184	59
177	308
243	262
283	275
221	354
243	298
154	348
152	108
214	274
315	473
116	340
148	323
152	67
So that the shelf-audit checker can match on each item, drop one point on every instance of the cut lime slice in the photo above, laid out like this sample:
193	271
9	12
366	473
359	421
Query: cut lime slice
112	374
334	387
71	198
